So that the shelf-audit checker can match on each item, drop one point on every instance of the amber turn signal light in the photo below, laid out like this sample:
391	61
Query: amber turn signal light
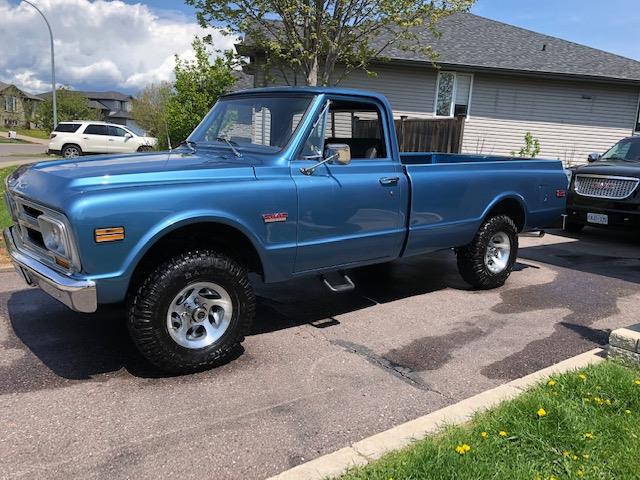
111	234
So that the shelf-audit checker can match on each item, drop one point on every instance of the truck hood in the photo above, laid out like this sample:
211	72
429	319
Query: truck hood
53	182
613	168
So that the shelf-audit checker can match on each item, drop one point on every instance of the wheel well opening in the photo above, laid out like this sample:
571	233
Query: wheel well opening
202	235
512	208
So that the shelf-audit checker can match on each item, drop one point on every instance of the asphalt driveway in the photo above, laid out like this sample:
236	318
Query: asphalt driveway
320	370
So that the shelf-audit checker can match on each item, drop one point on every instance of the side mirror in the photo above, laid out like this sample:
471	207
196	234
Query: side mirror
593	157
339	152
127	136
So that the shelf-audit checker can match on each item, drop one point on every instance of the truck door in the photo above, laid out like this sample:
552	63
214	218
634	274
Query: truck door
349	213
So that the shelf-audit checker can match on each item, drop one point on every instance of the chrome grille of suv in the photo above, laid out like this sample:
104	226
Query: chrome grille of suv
602	186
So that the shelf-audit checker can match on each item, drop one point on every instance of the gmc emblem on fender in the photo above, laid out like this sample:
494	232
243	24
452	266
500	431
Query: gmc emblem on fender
275	217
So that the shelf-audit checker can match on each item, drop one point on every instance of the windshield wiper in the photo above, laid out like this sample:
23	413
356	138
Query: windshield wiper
231	145
190	144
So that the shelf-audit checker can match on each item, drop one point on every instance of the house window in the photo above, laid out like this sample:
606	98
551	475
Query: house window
453	94
10	104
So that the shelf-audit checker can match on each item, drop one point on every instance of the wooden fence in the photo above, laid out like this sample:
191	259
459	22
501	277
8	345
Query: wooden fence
442	135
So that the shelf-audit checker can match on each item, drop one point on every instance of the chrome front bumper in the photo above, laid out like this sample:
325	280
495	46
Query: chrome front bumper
78	295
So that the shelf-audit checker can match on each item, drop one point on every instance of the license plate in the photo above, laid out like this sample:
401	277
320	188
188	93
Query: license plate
599	218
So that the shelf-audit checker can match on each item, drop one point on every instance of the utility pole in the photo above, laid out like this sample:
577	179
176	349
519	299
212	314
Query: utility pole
53	65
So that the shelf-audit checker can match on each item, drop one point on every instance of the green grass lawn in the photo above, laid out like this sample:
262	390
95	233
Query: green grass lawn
582	424
31	133
5	218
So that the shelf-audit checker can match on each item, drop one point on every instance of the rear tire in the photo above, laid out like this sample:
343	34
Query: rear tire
192	312
488	260
71	151
572	227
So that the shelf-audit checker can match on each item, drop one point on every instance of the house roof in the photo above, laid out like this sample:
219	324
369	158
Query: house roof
98	96
4	86
244	80
479	44
472	41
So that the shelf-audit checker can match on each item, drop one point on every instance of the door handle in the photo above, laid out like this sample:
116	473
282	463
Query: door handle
111	139
389	180
85	138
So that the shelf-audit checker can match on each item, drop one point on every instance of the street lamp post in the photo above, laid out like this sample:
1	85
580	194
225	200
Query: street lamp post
53	65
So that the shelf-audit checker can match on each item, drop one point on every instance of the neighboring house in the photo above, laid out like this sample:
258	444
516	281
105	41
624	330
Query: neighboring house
507	81
17	107
115	107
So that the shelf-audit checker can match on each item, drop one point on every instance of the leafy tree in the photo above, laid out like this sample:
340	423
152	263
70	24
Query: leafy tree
70	106
197	86
531	147
149	110
311	37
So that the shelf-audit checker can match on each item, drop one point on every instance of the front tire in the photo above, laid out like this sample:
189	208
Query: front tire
192	312
488	260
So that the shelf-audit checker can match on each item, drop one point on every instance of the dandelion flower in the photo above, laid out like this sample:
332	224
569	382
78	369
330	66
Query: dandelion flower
582	376
503	434
484	435
553	477
565	454
463	448
580	472
585	456
588	436
551	382
637	382
607	401
627	411
574	458
542	412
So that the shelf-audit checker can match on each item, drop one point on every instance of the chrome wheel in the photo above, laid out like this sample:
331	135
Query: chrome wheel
496	257
71	152
199	315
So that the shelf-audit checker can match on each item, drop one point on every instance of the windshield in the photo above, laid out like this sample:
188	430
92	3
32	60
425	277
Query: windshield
627	150
259	122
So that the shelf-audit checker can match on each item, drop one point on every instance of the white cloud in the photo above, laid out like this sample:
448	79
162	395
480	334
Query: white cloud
99	44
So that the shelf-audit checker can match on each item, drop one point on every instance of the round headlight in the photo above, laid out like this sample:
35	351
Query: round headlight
54	235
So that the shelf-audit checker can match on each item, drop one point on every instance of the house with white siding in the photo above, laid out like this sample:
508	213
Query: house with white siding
507	81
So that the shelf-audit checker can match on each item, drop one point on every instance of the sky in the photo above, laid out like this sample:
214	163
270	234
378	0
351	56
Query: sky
123	46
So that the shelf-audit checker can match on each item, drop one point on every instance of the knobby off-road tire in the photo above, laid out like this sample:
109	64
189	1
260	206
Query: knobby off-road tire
156	315
478	266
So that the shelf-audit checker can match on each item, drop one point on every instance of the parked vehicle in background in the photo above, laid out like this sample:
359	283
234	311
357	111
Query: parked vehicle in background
605	192
281	182
72	139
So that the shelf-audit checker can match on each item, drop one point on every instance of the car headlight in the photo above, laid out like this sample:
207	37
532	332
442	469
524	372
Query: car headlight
54	234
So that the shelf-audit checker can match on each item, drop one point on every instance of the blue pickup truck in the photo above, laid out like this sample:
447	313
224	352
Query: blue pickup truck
282	182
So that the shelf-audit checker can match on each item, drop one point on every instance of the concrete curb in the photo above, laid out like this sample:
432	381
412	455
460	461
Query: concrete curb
362	452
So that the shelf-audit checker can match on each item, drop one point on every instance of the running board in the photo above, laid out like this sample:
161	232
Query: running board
535	234
338	282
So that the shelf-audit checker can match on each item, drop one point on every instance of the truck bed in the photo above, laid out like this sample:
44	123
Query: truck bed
452	194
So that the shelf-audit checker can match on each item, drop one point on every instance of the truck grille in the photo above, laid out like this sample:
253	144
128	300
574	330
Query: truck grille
602	186
27	232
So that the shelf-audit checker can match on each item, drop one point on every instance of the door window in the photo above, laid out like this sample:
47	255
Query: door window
94	129
357	124
116	131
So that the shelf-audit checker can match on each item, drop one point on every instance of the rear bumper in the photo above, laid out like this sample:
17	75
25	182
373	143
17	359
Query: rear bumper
78	295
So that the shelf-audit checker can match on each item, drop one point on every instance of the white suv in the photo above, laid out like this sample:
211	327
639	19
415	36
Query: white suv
72	139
